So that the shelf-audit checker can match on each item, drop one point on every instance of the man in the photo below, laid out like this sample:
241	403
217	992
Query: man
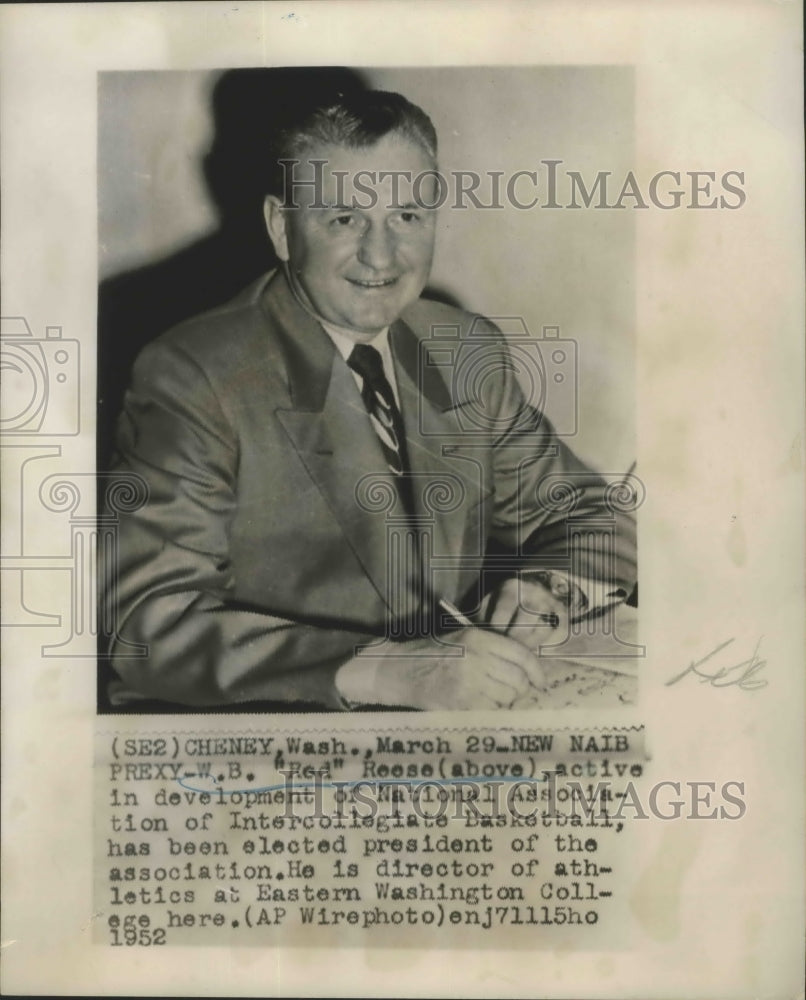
325	472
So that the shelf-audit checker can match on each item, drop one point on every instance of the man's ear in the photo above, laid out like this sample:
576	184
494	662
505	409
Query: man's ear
274	215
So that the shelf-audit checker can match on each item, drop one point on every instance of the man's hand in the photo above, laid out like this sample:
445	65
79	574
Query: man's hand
528	611
492	671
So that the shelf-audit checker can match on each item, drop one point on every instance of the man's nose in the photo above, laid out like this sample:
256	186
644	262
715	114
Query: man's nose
377	247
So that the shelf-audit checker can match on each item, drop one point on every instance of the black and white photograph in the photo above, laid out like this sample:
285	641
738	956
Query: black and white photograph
385	453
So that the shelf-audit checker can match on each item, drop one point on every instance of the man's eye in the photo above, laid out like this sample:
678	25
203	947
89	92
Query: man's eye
409	217
342	221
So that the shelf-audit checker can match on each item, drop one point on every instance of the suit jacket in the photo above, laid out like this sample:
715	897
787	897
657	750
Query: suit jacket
261	557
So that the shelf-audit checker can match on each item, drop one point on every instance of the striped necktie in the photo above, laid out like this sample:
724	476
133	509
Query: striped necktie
408	592
379	400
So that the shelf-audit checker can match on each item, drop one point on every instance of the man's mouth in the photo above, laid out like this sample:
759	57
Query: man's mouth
376	283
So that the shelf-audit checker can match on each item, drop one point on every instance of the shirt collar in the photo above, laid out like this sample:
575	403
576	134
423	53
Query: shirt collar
345	344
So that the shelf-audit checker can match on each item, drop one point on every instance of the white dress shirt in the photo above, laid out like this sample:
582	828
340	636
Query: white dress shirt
344	345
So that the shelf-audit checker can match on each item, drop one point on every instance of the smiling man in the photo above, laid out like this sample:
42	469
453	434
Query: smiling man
315	501
357	254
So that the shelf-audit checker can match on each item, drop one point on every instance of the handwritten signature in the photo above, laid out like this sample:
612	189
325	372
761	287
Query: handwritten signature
741	674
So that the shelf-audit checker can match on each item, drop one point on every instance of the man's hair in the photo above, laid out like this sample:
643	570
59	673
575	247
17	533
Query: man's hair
355	120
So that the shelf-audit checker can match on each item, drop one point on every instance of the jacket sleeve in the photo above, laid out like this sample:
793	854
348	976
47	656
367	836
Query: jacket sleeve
549	506
170	590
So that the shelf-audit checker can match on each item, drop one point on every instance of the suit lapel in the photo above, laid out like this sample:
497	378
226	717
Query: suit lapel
329	428
448	486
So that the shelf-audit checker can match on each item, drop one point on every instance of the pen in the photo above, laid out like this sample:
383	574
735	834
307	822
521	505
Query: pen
465	622
455	613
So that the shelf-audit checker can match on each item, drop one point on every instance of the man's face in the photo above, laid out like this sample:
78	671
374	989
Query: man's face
359	261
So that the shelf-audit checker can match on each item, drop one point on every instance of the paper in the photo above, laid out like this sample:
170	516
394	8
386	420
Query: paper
662	148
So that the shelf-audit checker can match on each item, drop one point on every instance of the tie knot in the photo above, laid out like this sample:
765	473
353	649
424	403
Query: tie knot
367	362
